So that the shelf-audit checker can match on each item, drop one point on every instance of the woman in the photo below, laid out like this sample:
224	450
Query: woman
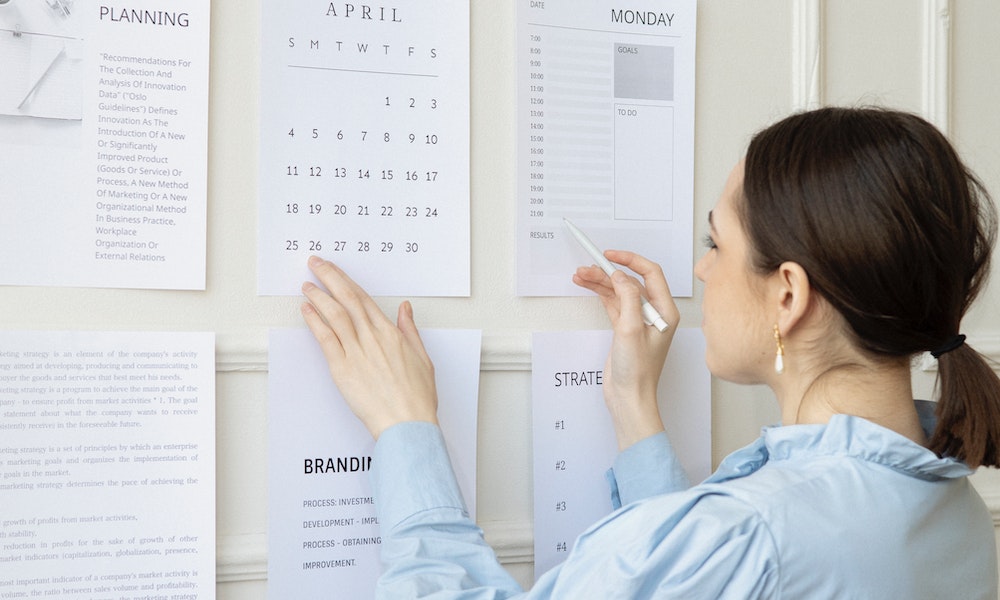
847	242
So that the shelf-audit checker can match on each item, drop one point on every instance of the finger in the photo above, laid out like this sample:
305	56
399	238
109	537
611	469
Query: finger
651	272
406	324
594	279
359	305
629	293
332	315
605	294
329	343
593	274
657	290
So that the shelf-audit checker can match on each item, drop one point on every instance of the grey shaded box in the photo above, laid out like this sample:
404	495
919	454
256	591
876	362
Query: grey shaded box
644	72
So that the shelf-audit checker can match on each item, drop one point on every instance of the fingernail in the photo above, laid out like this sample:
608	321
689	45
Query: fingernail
308	286
315	261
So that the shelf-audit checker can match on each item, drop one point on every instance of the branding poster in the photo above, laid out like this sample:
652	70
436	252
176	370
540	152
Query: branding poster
323	531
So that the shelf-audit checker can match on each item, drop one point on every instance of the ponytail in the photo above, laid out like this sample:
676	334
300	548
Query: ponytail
968	409
897	234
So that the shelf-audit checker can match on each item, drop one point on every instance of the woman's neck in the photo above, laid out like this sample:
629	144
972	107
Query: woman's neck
882	395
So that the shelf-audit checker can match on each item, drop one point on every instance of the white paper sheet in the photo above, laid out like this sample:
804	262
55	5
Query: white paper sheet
107	465
322	530
605	136
364	153
574	442
104	143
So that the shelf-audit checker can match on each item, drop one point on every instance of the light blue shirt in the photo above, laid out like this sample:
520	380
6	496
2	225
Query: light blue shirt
843	510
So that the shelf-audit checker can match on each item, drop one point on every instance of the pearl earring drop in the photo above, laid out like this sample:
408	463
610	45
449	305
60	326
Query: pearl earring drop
779	356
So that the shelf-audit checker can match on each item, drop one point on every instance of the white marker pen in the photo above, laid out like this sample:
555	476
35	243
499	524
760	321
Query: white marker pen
649	314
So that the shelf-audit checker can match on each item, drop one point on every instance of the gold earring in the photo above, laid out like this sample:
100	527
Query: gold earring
779	356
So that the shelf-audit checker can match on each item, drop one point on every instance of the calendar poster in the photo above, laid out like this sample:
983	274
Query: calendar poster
103	143
605	113
574	440
364	149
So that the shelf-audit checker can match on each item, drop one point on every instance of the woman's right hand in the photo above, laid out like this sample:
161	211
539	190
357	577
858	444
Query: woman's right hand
638	351
380	368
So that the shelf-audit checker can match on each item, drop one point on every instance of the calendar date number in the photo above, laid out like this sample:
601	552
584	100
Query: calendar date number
363	246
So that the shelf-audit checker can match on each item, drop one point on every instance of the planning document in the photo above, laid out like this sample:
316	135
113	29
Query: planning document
574	441
323	532
107	465
364	145
605	137
103	143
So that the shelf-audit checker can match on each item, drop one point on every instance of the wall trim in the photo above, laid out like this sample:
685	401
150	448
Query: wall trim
513	541
936	84
991	496
511	351
506	351
243	557
807	54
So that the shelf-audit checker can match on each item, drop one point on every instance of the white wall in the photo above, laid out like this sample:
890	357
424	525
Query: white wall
757	61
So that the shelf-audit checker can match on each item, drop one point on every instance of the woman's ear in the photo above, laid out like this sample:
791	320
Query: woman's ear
792	295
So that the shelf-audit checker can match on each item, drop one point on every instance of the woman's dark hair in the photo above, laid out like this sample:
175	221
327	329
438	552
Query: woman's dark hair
896	233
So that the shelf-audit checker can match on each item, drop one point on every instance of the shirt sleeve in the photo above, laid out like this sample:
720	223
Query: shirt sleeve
698	543
694	545
645	469
430	546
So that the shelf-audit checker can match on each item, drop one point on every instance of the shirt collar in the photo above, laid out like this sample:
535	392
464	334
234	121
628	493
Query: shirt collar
848	436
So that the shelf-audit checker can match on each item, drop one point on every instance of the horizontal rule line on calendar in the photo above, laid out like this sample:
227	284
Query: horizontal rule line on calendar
593	30
362	71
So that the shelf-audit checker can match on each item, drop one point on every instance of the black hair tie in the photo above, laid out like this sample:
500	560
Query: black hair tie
952	343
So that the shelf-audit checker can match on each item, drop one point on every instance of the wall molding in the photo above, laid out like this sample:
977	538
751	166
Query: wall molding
936	84
991	496
807	54
807	59
509	351
242	558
